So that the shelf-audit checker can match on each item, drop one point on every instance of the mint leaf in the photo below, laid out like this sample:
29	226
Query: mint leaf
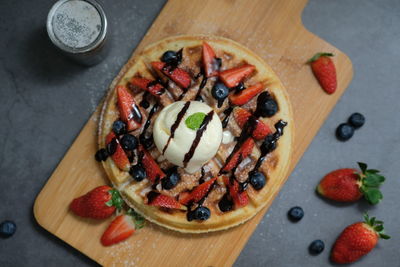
195	120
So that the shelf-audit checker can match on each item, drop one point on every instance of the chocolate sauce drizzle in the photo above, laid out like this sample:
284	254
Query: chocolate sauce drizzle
174	126
144	103
202	85
147	141
203	173
196	141
227	113
135	114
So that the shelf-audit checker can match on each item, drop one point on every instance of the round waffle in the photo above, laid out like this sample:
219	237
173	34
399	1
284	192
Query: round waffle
274	167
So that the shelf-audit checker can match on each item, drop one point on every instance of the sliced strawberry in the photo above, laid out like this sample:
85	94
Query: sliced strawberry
210	62
240	198
128	109
241	116
234	76
246	95
164	201
153	171
119	157
177	75
153	87
197	193
243	152
120	229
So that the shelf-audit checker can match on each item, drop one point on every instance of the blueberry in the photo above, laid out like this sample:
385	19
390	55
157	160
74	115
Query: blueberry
101	155
344	132
119	127
316	247
295	214
225	204
257	180
147	142
129	142
357	120
169	57
266	105
7	229
200	213
137	172
171	180
219	91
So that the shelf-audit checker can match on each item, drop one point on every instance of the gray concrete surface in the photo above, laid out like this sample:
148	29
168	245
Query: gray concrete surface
45	100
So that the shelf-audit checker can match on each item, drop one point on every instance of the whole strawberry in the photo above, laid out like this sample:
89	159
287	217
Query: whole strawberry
357	240
349	185
99	203
324	70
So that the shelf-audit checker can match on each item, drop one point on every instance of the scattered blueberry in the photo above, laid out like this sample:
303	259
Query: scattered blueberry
101	155
225	204
357	120
219	91
119	127
169	57
129	142
316	247
171	180
257	180
344	132
266	105
200	213
7	229
137	172
295	214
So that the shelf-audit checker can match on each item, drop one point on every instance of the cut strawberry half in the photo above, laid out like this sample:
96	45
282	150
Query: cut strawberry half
153	171
177	75
240	197
118	156
153	87
120	229
128	109
210	62
243	152
164	201
246	95
234	76
197	193
242	115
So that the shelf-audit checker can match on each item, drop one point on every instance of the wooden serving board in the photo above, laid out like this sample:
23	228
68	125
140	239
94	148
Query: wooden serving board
273	30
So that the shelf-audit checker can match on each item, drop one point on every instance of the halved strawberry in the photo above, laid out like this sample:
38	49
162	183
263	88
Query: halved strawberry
234	76
177	75
119	157
246	95
153	87
120	229
240	198
243	152
197	193
241	116
210	62
164	201
153	171
129	111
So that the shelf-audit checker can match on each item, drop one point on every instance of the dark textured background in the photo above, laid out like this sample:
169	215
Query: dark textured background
45	100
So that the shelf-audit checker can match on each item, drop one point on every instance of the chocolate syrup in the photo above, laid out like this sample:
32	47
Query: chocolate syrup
196	141
202	84
201	201
135	114
155	82
203	173
174	126
227	113
144	103
112	146
148	141
151	196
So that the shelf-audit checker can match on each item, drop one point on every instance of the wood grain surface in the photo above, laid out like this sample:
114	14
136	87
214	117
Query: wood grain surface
273	30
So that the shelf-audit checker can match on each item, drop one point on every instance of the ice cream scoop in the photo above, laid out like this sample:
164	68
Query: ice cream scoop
188	134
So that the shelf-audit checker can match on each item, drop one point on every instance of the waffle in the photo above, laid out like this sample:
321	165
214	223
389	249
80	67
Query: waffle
274	167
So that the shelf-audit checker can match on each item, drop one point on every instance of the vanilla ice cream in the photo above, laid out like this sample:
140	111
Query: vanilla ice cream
188	143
